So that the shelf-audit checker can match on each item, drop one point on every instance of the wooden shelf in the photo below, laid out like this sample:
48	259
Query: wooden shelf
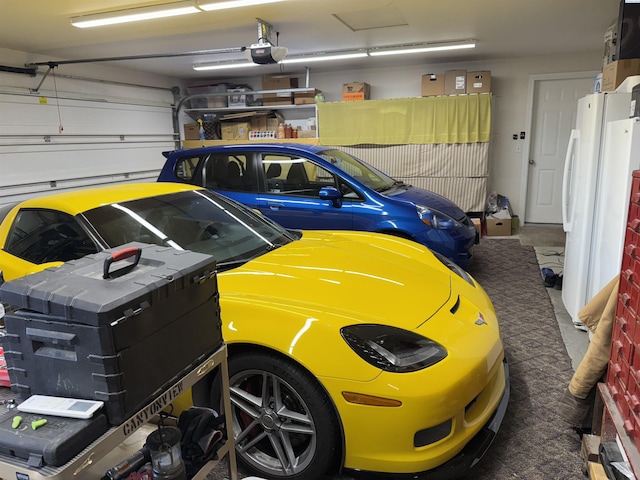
613	428
210	143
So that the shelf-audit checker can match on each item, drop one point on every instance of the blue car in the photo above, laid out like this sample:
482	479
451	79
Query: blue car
312	187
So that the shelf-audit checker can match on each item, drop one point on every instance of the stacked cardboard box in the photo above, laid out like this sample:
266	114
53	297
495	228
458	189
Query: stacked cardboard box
614	73
456	82
278	82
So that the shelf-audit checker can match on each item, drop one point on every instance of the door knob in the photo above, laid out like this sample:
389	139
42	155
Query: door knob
532	161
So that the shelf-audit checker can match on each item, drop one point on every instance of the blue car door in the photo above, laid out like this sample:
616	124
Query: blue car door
232	174
290	194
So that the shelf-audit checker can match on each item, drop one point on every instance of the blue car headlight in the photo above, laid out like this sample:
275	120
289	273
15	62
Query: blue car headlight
436	219
392	349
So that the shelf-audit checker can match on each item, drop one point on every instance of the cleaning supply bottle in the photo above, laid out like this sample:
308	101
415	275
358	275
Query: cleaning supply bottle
201	130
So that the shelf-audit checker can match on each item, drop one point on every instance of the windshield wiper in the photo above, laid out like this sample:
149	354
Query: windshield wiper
241	261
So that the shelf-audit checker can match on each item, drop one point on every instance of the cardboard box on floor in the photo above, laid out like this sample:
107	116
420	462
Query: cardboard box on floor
499	224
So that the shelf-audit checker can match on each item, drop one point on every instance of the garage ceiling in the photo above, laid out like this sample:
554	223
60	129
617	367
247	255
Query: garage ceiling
501	28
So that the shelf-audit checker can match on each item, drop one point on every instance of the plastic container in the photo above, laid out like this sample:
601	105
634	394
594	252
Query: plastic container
120	339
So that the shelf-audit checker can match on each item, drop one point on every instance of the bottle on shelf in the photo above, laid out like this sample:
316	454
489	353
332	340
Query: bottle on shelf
281	131
201	133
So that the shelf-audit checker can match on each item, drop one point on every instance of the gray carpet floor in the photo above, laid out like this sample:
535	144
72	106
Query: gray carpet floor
533	444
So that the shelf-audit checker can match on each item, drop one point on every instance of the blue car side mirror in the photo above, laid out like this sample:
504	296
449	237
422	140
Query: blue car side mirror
333	194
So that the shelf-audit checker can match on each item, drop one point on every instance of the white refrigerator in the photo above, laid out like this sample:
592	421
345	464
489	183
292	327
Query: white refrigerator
621	156
581	195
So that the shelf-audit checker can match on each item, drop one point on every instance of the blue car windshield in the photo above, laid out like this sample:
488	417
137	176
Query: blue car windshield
359	170
196	220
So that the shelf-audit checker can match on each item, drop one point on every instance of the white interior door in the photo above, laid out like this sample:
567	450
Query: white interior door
555	103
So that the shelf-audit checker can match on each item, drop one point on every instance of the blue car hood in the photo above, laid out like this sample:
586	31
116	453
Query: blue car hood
426	198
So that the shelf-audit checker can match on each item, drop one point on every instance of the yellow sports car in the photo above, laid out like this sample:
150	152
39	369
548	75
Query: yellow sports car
349	352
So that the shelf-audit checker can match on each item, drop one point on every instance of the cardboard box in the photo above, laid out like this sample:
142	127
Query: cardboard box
479	82
305	98
614	73
354	91
478	224
498	227
235	130
311	133
191	131
455	82
432	85
278	82
610	41
267	121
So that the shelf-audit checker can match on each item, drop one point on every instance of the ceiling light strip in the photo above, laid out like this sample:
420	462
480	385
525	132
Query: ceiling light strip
134	14
201	67
418	49
344	55
321	58
211	6
160	11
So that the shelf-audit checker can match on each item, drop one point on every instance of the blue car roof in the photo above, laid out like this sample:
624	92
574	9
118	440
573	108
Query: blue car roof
301	147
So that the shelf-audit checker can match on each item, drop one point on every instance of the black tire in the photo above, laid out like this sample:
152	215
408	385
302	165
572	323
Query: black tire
284	423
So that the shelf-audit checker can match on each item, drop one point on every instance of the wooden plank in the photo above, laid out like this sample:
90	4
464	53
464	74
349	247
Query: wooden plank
596	472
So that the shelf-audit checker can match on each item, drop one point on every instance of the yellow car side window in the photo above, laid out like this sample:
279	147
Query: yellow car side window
41	236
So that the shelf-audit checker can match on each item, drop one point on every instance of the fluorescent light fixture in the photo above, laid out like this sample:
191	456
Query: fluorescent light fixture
324	57
201	67
208	7
346	54
159	11
134	14
400	50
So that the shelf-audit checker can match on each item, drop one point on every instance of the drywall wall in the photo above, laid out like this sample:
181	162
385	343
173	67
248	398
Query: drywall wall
510	84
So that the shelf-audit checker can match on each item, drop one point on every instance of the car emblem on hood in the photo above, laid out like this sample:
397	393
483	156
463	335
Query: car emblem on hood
480	320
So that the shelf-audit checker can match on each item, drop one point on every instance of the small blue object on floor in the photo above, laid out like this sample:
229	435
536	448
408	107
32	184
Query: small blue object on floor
548	277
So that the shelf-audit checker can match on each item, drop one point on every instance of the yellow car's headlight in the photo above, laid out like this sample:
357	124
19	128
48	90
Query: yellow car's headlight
392	349
455	268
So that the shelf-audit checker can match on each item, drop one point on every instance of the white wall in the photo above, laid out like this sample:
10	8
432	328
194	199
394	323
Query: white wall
510	83
83	126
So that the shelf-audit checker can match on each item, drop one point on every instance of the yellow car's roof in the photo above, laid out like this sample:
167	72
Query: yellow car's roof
79	201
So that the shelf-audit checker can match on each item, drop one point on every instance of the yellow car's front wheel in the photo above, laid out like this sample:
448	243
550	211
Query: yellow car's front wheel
284	423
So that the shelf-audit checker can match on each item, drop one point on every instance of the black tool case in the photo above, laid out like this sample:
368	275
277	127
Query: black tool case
54	443
118	326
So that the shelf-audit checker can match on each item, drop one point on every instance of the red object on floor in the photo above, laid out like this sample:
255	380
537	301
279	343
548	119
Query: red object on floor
4	373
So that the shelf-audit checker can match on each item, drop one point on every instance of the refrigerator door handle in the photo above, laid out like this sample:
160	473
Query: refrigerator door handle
566	183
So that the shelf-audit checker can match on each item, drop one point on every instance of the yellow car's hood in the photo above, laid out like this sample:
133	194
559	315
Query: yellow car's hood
351	274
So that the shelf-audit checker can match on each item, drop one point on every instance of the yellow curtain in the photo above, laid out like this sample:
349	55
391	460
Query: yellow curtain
425	120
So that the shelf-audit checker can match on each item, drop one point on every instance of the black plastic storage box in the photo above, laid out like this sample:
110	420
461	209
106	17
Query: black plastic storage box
119	326
54	443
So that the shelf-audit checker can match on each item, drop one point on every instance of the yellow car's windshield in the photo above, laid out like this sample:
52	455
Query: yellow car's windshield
193	220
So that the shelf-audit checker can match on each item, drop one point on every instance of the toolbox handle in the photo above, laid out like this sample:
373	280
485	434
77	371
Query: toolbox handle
121	255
